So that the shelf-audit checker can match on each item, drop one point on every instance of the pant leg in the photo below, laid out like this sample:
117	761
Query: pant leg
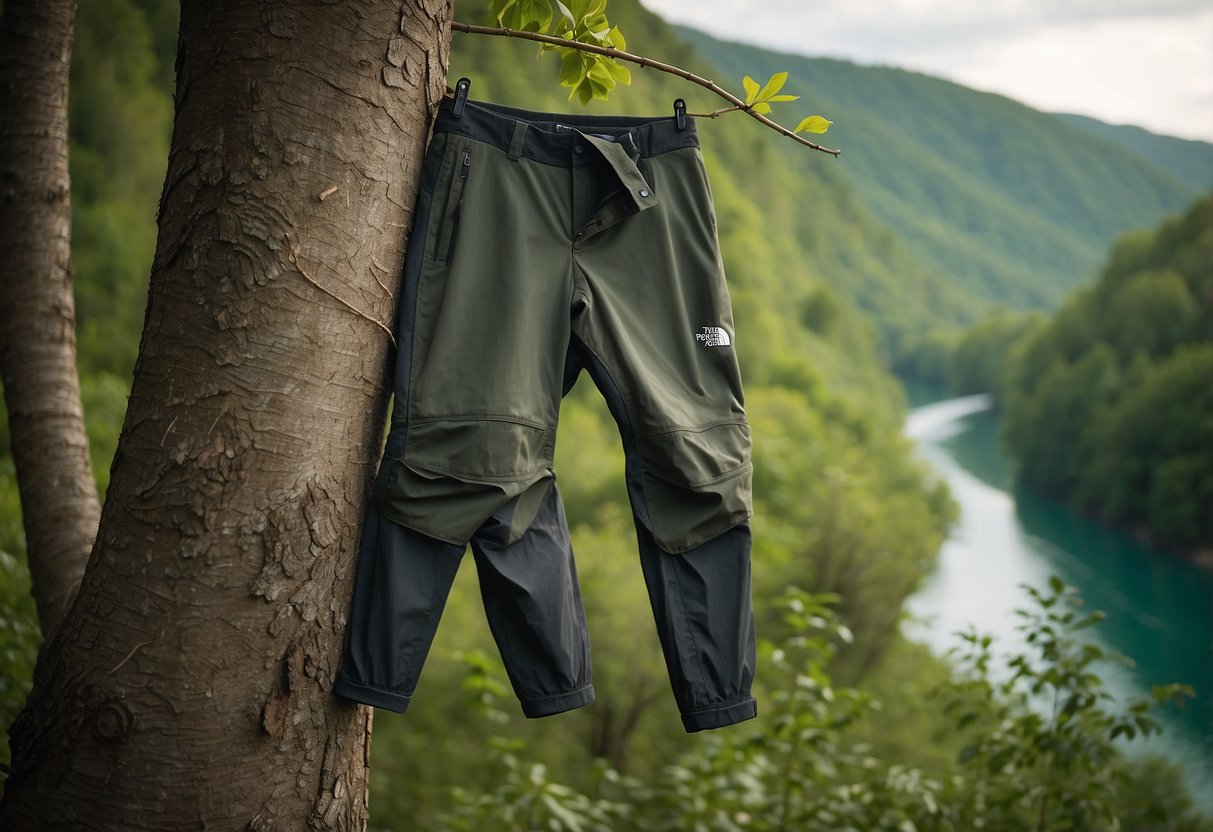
701	602
483	330
700	597
533	604
401	587
652	313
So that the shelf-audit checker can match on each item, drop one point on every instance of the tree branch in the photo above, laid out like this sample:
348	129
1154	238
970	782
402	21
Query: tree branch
619	54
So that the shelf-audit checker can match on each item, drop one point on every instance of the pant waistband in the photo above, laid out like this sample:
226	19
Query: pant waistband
550	137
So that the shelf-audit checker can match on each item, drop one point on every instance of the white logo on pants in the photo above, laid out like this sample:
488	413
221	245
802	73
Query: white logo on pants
714	336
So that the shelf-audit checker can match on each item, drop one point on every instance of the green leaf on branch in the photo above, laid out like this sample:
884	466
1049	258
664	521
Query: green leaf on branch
751	89
759	98
772	86
588	75
615	37
572	70
523	15
813	124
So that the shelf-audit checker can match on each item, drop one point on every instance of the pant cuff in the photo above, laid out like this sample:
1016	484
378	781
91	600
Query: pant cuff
548	705
367	695
719	717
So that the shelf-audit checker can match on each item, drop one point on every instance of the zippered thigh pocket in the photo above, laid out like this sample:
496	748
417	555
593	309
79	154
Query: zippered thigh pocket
454	205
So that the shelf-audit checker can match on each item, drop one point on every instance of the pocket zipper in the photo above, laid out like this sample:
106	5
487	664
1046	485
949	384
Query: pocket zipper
446	246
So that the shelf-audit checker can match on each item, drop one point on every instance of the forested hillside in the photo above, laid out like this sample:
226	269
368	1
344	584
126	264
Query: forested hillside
1007	204
831	265
1111	404
1187	160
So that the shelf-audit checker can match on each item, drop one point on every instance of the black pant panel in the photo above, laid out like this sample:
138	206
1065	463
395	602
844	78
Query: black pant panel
531	598
533	604
401	588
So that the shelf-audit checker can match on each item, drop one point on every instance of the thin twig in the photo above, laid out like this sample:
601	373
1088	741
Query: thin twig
612	52
359	313
325	194
371	268
167	431
716	113
118	666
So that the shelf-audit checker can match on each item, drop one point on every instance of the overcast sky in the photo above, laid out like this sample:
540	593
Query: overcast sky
1144	62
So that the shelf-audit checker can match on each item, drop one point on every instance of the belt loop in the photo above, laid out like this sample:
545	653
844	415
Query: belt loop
518	139
628	140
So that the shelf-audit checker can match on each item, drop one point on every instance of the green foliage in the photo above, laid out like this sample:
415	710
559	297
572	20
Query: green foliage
759	99
19	636
120	116
1109	404
1042	748
526	797
1042	752
977	361
19	633
588	75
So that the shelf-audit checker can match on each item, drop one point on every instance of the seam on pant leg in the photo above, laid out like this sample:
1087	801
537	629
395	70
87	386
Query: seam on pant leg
720	716
628	410
703	680
631	425
370	695
693	428
557	703
423	532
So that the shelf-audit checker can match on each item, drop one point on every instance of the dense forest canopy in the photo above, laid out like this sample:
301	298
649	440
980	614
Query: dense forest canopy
1109	404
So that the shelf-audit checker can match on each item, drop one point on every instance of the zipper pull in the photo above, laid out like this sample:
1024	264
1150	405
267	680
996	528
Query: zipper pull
467	163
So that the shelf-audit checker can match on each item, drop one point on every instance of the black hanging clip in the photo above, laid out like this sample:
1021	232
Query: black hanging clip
680	114
461	96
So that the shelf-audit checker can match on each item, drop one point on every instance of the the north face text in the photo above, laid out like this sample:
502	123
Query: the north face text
714	336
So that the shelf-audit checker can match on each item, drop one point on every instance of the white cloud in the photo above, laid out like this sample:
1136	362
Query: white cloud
1146	62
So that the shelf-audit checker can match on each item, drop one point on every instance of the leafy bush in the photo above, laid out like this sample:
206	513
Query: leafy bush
1043	748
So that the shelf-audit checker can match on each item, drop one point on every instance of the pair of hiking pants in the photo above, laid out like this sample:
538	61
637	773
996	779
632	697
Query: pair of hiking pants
545	245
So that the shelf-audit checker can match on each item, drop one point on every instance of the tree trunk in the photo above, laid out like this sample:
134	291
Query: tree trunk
37	307
189	686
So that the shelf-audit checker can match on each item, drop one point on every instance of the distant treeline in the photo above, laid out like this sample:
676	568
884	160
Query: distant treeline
1109	404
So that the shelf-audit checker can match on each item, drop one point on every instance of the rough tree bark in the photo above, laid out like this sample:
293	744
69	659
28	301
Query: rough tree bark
189	686
37	306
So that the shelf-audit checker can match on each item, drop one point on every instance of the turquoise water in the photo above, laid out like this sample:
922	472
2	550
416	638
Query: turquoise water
1160	607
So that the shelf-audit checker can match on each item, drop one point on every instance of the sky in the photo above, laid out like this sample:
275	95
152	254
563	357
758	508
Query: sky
1143	62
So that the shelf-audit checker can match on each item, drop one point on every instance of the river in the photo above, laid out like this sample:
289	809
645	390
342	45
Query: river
1160	607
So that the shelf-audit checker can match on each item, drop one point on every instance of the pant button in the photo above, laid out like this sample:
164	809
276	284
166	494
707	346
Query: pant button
578	149
643	193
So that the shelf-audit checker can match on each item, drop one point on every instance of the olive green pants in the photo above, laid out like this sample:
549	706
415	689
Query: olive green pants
543	245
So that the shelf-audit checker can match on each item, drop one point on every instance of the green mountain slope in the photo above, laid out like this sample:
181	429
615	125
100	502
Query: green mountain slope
1187	160
1012	205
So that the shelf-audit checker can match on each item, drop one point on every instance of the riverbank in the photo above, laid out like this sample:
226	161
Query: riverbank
1157	605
